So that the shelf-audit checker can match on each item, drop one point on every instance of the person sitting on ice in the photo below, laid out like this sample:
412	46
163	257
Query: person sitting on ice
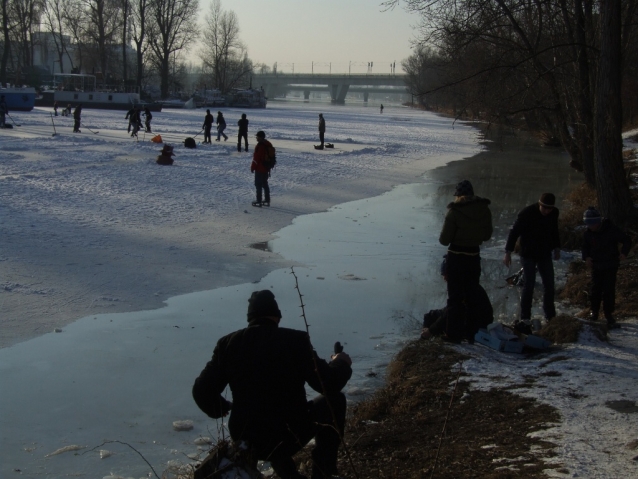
166	156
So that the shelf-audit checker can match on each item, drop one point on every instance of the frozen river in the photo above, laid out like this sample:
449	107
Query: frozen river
368	270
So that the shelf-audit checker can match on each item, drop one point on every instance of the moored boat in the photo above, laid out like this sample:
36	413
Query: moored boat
19	99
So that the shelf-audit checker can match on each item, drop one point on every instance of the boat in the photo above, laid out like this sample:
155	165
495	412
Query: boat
19	98
208	98
248	98
71	88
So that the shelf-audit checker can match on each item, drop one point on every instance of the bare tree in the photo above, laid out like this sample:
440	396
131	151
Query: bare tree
172	29
102	27
139	18
223	53
54	15
6	50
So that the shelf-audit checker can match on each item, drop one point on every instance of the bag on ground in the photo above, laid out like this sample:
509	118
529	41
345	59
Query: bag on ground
190	143
157	139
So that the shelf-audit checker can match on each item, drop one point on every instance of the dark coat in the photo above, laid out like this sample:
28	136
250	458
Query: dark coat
481	315
208	121
538	233
263	150
220	121
602	245
243	126
267	368
467	223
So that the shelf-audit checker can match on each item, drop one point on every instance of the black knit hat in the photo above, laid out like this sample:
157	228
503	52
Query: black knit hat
261	134
592	216
464	188
547	199
262	304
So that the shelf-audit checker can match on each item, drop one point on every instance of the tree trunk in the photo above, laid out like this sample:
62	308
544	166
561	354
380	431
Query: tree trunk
7	43
611	186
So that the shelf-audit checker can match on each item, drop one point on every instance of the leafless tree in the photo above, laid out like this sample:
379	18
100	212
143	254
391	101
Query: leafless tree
223	54
172	28
54	15
139	18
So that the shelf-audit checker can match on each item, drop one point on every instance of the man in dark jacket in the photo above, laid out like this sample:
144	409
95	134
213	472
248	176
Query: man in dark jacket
207	126
130	116
267	368
263	150
77	118
322	130
242	132
221	126
4	109
468	223
600	252
147	121
537	227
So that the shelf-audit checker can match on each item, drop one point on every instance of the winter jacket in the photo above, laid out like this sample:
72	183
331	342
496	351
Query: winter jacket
3	107
538	233
267	368
602	245
243	126
467	224
221	122
262	150
208	121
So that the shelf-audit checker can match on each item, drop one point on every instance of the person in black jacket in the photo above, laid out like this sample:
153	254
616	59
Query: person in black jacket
243	132
537	227
208	124
77	118
267	368
221	126
147	121
600	252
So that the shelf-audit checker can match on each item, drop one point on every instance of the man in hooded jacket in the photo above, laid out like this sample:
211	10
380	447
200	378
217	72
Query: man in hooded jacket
267	368
467	224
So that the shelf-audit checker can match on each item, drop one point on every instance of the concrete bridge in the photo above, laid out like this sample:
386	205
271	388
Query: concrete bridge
337	84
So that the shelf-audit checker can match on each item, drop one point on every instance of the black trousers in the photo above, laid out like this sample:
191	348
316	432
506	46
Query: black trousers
321	137
261	182
207	133
603	289
241	135
463	275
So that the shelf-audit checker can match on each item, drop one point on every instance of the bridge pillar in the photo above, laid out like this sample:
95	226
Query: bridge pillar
271	90
306	94
338	93
365	97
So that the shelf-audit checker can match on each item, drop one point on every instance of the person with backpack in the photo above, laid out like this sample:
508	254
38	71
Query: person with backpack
243	132
208	124
600	252
221	126
263	158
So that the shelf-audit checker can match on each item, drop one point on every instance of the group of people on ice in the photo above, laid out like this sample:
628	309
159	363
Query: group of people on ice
468	223
134	117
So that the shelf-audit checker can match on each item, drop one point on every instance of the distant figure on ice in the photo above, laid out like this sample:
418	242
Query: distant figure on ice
77	117
322	130
221	126
263	151
55	108
207	126
600	252
130	116
537	227
381	108
267	368
136	121
4	109
147	119
467	224
68	109
243	132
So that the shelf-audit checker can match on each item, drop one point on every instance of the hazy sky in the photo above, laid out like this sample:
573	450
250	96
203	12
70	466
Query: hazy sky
346	33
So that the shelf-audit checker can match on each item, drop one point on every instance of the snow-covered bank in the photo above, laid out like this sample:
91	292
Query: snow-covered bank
90	224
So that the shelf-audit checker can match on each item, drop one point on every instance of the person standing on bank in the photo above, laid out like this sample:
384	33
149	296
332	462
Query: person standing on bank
221	126
267	368
322	130
537	228
77	117
242	132
207	126
600	252
468	223
263	150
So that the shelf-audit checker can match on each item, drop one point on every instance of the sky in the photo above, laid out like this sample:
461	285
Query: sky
334	36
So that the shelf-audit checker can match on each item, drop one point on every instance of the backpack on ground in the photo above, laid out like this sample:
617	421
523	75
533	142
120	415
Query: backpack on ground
190	143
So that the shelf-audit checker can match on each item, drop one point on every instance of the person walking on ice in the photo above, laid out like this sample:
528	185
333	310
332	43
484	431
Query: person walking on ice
600	252
221	126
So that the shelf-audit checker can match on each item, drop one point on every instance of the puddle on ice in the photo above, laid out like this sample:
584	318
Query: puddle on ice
128	377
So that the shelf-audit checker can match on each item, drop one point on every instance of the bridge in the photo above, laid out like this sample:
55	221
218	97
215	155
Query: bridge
338	84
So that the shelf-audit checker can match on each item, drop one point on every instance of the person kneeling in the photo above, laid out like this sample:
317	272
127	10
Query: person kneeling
267	368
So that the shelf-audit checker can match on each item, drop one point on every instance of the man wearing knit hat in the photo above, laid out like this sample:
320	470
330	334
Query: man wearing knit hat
537	228
267	368
468	222
600	252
